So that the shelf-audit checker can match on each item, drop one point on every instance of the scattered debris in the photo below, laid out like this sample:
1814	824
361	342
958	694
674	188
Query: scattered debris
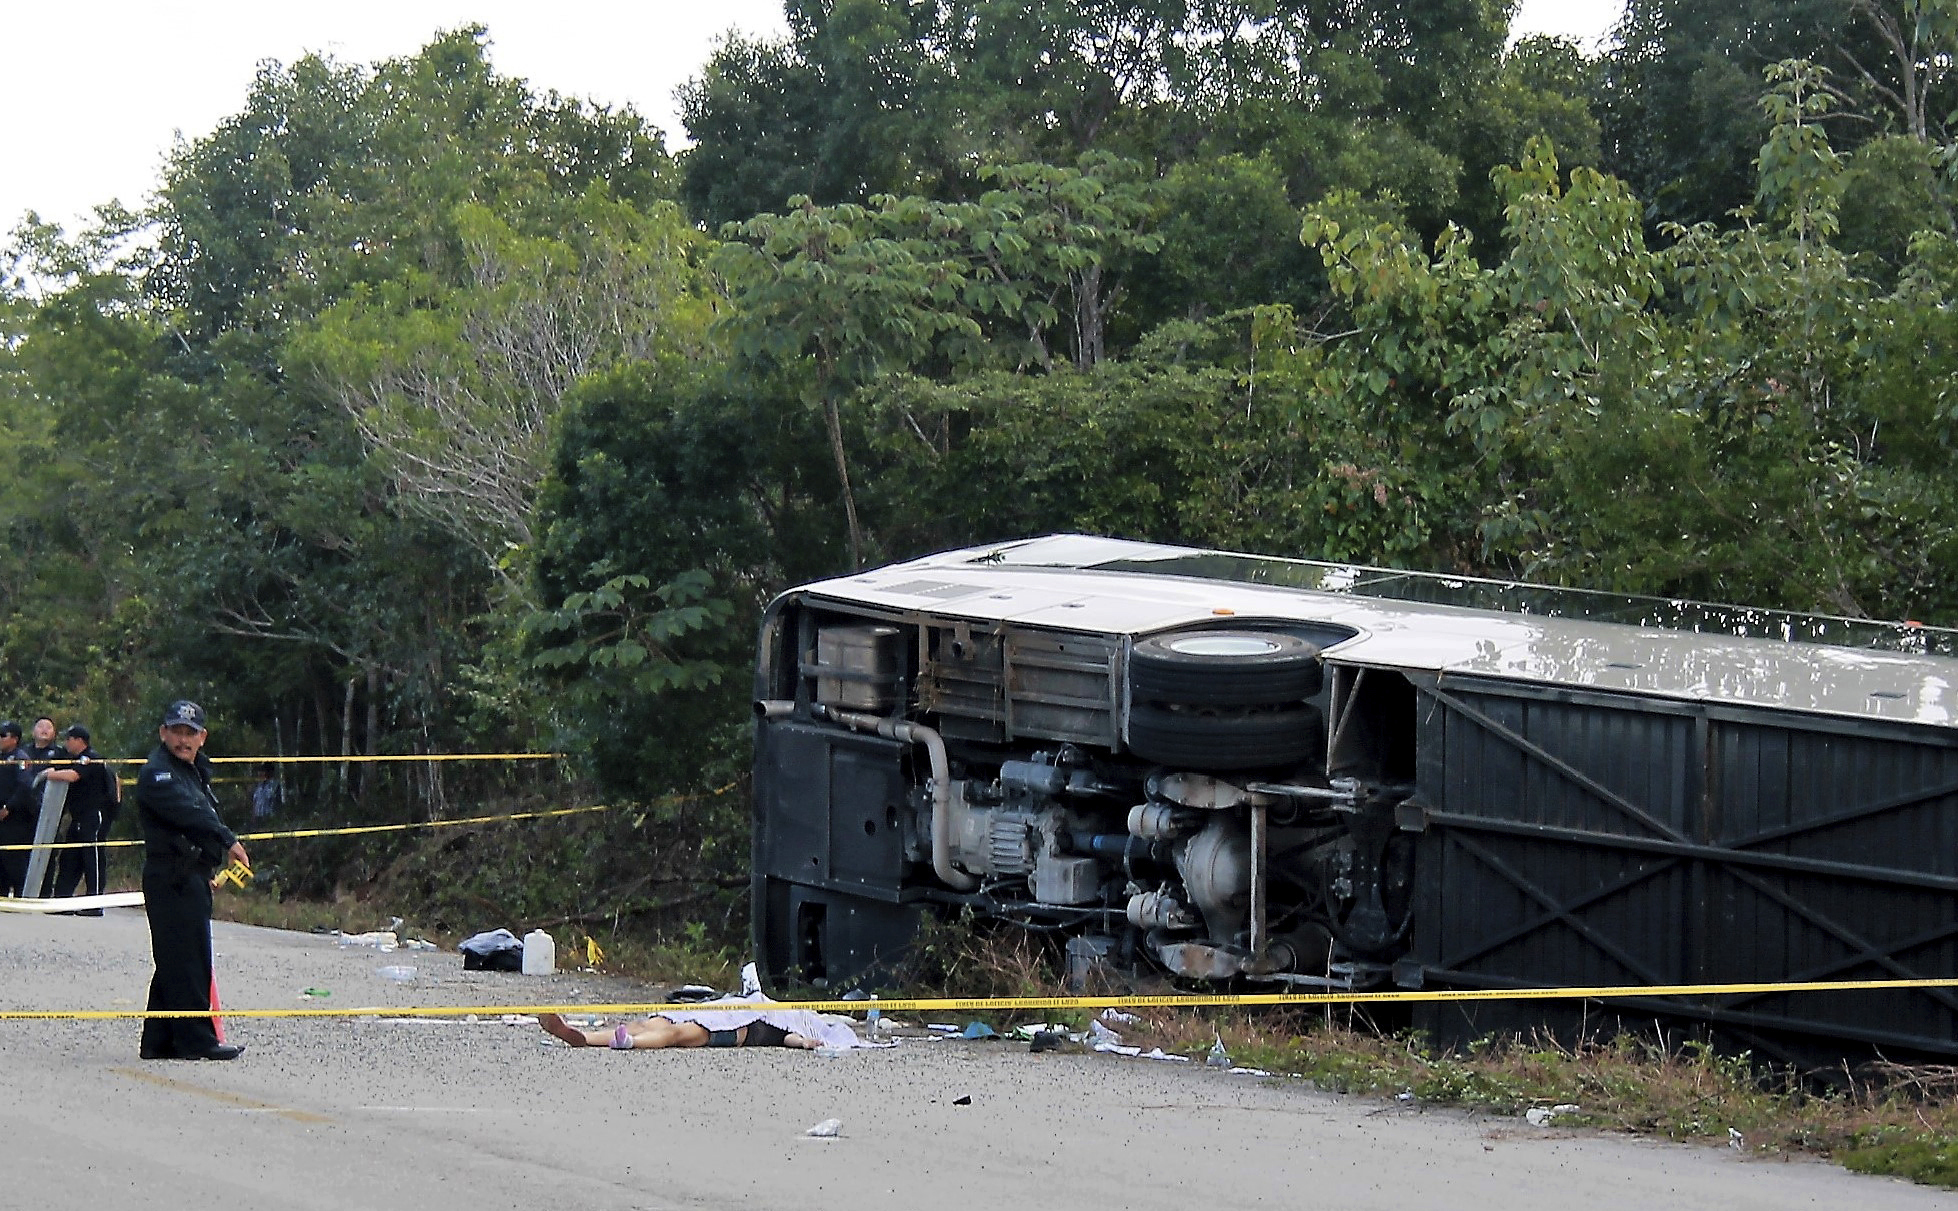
1157	1053
688	994
1736	1140
978	1030
383	940
962	1101
1099	1034
1046	1040
1541	1116
942	1027
493	950
316	992
828	1129
398	975
1218	1057
1112	1014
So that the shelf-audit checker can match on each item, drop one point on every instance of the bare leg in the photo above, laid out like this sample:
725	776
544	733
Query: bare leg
655	1034
803	1041
555	1025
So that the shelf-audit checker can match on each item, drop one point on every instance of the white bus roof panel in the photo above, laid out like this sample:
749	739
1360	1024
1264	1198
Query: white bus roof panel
1044	582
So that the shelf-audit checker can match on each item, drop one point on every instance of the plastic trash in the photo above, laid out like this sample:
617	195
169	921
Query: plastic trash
1046	1040
1736	1140
418	944
962	1101
1218	1057
978	1030
1112	1014
399	975
828	1129
539	953
316	992
831	1053
750	980
1100	1034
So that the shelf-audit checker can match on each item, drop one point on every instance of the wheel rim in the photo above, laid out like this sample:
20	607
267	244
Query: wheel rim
1223	645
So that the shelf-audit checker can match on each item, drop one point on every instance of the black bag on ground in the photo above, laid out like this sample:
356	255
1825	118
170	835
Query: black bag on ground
497	950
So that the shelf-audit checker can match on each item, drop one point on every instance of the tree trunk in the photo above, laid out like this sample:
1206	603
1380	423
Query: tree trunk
371	739
833	421
346	731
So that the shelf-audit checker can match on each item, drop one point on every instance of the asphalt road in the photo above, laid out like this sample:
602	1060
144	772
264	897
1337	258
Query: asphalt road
344	1115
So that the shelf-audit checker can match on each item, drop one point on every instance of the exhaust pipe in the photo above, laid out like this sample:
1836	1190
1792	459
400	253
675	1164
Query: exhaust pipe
941	780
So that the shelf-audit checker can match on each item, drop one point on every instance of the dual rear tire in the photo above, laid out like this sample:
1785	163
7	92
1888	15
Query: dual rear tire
1225	700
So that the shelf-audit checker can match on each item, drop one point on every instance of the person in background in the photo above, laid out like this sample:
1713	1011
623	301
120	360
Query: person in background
19	809
267	796
44	748
184	843
42	752
94	797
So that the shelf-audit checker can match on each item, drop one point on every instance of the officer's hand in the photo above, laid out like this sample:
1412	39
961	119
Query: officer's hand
238	854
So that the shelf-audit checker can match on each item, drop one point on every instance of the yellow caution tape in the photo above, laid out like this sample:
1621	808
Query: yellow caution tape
363	829
350	759
349	831
1014	1004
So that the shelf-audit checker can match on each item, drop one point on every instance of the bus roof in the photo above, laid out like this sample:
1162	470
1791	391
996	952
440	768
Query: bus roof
1676	649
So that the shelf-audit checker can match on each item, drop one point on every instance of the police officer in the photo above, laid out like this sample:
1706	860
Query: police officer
44	748
94	796
20	807
184	844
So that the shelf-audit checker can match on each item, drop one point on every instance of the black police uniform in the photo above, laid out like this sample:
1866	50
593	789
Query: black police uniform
92	805
40	758
22	800
184	844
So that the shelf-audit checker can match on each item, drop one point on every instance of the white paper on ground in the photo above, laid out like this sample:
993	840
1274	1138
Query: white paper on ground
113	899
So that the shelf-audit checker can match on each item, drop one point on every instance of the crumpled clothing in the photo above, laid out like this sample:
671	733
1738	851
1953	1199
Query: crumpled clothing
732	1013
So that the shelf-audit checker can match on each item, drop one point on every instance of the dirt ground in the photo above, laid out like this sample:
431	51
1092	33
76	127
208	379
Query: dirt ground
345	1114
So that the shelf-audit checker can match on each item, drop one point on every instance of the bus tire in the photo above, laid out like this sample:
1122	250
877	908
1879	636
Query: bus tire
1211	738
1224	668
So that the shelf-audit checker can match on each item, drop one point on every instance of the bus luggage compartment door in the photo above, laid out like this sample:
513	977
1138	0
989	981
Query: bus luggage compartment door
829	851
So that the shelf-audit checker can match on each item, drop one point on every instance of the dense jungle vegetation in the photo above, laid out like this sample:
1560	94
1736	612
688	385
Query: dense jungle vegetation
421	412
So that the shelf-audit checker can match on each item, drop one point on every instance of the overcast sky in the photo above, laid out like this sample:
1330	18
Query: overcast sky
94	92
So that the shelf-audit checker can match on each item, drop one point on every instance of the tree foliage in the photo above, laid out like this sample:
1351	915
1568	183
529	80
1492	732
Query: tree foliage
424	410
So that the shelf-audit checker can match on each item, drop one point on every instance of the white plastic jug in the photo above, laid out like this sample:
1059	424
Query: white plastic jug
539	953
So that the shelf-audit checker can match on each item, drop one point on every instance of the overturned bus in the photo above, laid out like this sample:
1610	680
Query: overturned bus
1278	772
